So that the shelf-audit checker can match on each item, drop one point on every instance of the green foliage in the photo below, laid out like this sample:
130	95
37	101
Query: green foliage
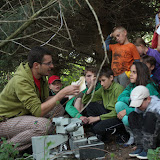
4	77
153	154
8	151
112	155
72	75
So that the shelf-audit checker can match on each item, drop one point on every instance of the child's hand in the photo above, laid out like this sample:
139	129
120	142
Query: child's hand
111	35
93	119
84	119
121	114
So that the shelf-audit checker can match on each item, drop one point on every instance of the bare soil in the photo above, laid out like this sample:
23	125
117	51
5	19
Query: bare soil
119	152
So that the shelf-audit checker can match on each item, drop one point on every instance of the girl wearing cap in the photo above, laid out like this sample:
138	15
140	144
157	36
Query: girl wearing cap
139	76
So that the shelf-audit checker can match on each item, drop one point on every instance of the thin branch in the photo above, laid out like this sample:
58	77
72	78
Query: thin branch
23	9
78	3
27	36
58	29
49	44
25	20
68	30
105	51
15	41
26	24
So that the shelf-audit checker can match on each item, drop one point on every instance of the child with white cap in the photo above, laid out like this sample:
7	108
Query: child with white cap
144	121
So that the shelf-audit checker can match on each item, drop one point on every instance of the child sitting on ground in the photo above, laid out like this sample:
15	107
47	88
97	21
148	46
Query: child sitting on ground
55	86
150	63
139	76
103	116
144	50
124	54
144	121
75	105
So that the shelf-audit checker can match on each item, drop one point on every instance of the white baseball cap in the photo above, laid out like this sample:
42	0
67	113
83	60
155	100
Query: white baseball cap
138	94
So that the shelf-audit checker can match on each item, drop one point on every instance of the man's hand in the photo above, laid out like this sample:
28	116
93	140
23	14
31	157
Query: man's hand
84	119
121	114
70	90
93	119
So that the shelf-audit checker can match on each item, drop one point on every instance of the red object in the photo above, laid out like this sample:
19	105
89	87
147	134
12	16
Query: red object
38	84
53	78
155	40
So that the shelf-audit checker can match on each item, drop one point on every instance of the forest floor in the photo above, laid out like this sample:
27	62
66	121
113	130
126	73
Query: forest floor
119	151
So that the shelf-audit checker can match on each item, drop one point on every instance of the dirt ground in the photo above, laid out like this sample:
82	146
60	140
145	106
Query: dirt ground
120	152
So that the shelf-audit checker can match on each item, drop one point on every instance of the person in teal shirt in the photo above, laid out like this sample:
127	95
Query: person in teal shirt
139	75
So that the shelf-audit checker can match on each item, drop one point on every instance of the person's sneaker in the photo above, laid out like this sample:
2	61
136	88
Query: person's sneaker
142	155
136	152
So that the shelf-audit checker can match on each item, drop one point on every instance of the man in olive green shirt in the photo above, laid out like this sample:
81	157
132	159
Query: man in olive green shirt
23	104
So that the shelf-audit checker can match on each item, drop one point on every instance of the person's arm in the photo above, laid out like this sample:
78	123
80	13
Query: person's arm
71	110
27	95
93	119
91	85
125	95
135	53
97	96
157	19
158	46
49	105
152	89
113	113
107	42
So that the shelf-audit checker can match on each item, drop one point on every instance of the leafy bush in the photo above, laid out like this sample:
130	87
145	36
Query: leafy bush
8	150
69	76
154	154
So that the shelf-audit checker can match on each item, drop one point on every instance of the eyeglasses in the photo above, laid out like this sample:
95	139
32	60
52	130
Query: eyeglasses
48	64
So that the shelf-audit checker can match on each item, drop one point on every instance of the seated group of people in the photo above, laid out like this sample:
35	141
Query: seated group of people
133	65
26	104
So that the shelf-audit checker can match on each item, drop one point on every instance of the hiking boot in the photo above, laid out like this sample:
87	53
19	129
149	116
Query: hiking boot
142	155
136	152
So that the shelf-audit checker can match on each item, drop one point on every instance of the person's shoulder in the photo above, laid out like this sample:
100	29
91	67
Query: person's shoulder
23	72
152	52
117	85
151	85
114	45
131	45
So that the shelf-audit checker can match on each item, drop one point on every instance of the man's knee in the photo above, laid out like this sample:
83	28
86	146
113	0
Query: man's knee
43	126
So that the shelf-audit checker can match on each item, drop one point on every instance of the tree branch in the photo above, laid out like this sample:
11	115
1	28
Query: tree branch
26	24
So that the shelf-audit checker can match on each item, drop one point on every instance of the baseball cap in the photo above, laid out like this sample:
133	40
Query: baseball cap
53	78
138	94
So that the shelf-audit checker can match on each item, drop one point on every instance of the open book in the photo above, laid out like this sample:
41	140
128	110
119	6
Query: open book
81	83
